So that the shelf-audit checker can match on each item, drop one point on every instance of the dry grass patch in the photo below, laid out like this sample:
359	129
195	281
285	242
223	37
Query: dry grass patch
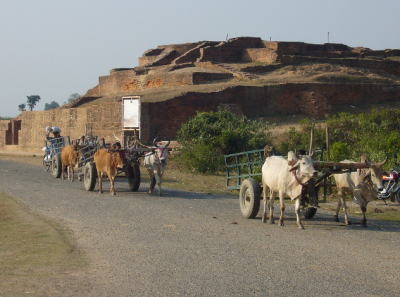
35	253
177	177
330	73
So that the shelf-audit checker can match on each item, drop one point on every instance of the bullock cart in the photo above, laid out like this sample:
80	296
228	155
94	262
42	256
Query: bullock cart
132	155
87	147
52	154
243	173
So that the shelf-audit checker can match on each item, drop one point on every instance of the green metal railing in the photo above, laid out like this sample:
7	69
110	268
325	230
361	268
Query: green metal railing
242	165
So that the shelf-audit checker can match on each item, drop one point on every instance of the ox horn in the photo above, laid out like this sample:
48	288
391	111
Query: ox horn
116	138
155	142
380	164
169	141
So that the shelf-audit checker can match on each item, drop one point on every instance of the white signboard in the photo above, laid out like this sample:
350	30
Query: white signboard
131	116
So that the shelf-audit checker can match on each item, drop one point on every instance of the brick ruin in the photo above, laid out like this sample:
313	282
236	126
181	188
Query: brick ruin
176	81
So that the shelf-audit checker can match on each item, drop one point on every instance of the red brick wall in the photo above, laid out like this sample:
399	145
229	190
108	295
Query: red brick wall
260	55
104	119
163	119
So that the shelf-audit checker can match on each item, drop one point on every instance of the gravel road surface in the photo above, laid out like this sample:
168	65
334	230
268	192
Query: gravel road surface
194	244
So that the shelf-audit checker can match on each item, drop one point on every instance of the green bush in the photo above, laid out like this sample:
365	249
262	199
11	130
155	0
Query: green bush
202	157
376	133
210	135
339	151
300	138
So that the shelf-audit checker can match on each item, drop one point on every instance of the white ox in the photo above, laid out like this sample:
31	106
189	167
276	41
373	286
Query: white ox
285	177
155	163
360	185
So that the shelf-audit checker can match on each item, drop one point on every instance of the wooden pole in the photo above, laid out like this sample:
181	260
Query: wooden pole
328	186
337	166
328	152
311	139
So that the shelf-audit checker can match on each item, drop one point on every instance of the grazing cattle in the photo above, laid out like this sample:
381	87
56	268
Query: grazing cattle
287	178
108	162
360	185
69	160
155	163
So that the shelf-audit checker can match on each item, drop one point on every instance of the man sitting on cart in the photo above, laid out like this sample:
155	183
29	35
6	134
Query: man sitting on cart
56	131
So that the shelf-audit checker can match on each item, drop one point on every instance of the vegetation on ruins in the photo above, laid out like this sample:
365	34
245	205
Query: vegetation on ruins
73	97
53	104
32	100
22	107
209	135
376	133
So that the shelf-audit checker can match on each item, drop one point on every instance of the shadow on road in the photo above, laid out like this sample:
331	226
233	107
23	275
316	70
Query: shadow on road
121	187
323	220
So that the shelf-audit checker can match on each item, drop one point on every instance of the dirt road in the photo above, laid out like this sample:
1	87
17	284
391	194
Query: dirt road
188	244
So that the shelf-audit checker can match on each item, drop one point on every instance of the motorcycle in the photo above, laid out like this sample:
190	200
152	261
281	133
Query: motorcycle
391	187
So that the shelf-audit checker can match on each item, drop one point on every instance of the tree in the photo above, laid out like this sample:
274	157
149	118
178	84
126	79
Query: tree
22	107
73	97
51	105
32	100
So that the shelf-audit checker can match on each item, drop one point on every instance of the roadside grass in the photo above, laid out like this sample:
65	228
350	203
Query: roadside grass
34	251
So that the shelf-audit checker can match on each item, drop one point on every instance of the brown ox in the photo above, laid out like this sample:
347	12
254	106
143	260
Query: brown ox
108	162
69	160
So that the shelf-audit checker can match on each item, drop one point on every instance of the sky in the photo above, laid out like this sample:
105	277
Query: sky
55	48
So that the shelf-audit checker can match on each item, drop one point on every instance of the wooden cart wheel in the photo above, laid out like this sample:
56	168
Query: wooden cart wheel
310	212
56	166
249	198
89	176
133	174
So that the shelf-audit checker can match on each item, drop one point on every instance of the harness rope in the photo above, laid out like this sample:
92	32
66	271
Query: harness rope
293	170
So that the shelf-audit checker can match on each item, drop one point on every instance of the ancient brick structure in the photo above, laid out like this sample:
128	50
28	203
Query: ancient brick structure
3	132
176	81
